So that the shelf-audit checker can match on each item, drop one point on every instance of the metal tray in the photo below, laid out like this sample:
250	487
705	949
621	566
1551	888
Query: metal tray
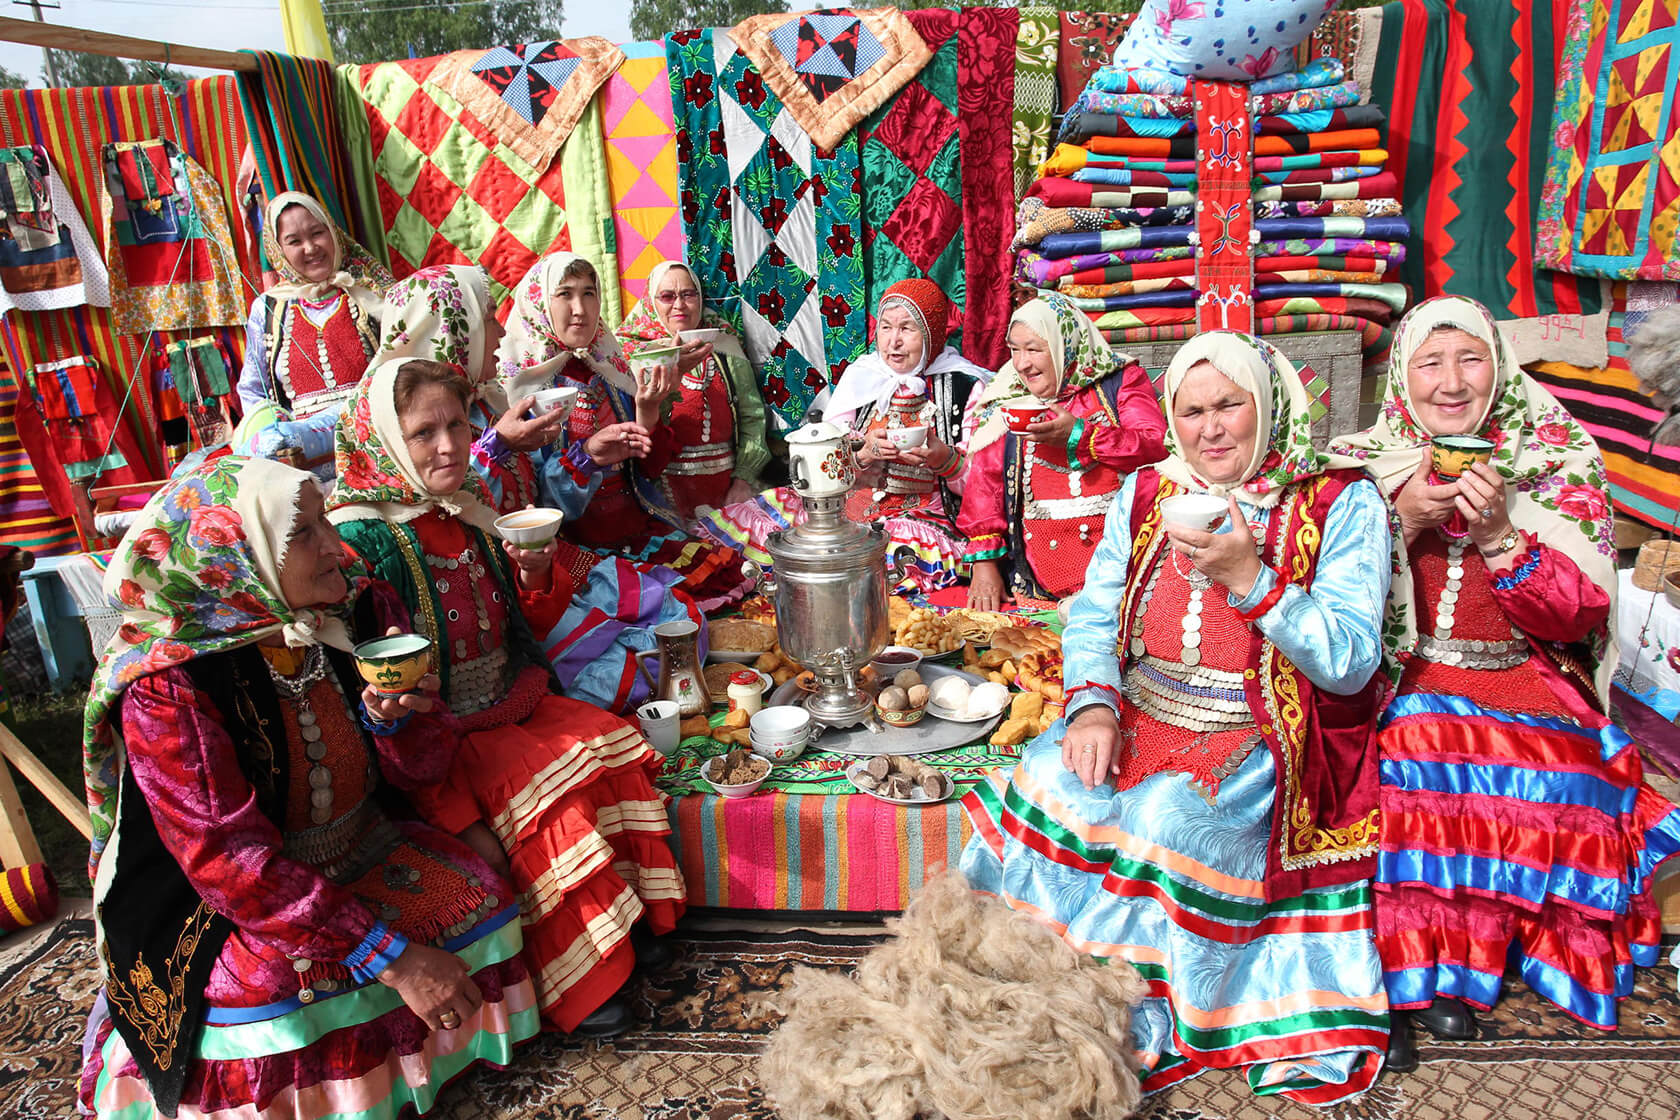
867	740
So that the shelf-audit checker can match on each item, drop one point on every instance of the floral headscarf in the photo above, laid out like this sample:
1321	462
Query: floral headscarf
870	383
1079	355
376	475
1283	450
532	356
198	573
644	328
1553	472
439	313
355	271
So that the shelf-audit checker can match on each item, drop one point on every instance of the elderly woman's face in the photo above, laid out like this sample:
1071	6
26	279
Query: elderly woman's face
676	300
574	311
897	339
1449	378
438	437
1030	354
1216	422
312	570
305	242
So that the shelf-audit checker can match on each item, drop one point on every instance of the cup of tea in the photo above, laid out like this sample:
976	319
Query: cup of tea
394	664
906	438
560	399
1018	418
1201	512
1451	456
529	528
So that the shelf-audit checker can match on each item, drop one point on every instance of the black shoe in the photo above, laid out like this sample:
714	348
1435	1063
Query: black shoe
1402	1054
609	1020
1447	1018
653	954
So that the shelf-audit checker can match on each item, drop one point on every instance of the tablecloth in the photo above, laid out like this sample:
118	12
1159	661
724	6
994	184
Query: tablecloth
1648	646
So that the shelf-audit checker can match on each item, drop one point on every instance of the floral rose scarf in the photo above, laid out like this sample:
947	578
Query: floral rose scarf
376	474
439	313
1079	354
355	271
643	329
1553	472
197	574
532	356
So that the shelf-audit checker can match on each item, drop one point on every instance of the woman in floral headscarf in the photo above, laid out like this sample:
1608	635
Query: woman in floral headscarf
1207	810
1516	825
1033	511
271	938
309	337
592	633
711	466
912	378
564	788
617	444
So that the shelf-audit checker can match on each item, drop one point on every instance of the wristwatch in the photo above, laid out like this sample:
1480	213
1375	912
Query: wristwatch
1512	539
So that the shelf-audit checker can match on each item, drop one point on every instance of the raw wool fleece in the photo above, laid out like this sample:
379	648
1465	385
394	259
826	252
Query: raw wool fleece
973	1010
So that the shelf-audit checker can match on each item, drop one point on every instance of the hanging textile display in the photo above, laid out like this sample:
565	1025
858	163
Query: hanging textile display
529	94
48	260
1611	202
449	191
1224	207
583	176
1352	38
641	148
830	70
1088	42
1035	91
985	100
167	243
76	438
765	214
912	185
27	519
297	143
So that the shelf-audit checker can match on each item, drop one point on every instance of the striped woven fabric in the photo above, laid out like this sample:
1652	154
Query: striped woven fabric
28	895
27	519
809	852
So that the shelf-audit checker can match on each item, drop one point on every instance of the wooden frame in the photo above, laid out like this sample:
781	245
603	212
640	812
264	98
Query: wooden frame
121	46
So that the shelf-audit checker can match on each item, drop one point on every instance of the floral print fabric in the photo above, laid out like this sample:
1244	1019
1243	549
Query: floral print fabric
1237	40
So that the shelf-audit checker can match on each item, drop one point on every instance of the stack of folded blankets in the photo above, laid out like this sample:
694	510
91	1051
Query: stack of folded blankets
1109	224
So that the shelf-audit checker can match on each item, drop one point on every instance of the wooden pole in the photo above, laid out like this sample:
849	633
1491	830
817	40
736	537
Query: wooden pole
56	37
74	809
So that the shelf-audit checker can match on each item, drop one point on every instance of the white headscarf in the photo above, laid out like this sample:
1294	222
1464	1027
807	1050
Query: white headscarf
439	313
532	356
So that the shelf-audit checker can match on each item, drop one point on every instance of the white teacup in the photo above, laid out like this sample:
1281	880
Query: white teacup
905	438
1201	512
661	724
555	400
780	733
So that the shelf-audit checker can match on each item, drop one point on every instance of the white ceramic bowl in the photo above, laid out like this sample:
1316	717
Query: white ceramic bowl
701	334
904	658
555	400
648	362
780	732
1202	512
529	528
742	789
904	438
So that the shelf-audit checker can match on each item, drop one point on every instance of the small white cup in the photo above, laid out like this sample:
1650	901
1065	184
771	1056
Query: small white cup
555	400
661	725
780	733
1202	512
906	438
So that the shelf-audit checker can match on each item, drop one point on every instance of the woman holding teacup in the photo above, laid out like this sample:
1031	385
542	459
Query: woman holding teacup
562	787
1207	809
617	443
1064	422
717	418
911	403
275	941
1515	823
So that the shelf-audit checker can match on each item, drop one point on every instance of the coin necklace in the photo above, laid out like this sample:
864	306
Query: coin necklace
296	689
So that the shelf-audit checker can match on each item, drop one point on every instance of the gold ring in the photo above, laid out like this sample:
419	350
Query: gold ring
450	1019
1088	750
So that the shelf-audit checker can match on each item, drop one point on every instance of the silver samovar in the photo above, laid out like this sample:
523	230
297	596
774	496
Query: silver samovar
829	579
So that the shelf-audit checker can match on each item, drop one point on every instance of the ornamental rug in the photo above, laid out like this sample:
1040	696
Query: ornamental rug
1611	201
641	149
703	1023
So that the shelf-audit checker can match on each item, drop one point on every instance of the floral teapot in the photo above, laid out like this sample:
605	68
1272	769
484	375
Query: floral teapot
820	461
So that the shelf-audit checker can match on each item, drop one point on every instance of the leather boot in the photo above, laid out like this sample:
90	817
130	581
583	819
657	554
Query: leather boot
609	1020
653	953
1447	1018
1402	1056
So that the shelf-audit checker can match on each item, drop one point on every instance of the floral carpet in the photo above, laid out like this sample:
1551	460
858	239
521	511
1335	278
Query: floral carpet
701	1025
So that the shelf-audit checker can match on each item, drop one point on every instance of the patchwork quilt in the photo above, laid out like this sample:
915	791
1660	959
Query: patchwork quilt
1611	201
831	69
641	150
48	260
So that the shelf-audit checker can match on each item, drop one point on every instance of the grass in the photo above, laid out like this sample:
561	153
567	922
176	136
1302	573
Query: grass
51	726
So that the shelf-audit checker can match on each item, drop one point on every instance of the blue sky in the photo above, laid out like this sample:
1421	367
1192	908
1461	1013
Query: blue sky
233	24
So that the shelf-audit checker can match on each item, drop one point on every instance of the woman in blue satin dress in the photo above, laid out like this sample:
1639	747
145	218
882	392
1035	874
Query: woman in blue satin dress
1207	811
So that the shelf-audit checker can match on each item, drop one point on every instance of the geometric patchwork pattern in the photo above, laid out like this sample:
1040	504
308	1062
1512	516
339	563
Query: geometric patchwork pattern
527	76
641	143
1611	201
827	51
449	190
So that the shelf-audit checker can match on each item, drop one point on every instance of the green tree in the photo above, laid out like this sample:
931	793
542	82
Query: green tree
365	31
9	80
78	68
651	19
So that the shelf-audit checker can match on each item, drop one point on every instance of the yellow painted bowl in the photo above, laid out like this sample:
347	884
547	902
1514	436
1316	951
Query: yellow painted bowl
394	665
1451	456
906	717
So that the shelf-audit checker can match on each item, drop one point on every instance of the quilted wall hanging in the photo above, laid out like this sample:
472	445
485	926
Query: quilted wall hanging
168	247
1611	201
766	213
832	69
48	259
985	98
1088	42
450	189
1036	47
641	148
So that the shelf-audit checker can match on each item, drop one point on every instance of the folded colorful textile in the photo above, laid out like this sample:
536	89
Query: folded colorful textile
1182	298
1057	191
1180	107
1149	79
1115	177
1074	244
1080	125
1374	336
1037	221
1079	293
1374	186
1035	268
1394	295
1097	277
